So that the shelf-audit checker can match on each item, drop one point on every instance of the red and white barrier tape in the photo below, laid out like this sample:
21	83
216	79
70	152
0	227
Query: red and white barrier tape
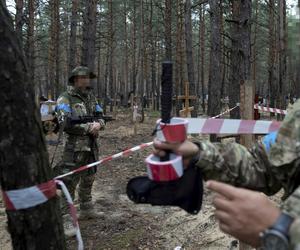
270	110
227	111
29	197
106	159
73	213
32	196
164	170
230	126
172	132
198	126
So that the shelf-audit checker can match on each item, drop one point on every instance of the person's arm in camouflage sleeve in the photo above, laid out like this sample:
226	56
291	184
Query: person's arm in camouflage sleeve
256	168
231	163
63	111
264	168
234	164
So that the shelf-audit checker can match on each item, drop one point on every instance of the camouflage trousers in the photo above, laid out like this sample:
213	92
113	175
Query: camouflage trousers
85	179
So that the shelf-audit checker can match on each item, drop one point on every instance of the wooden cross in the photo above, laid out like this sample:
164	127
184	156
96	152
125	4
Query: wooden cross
186	111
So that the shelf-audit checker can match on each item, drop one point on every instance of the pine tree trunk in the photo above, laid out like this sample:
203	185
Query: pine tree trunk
99	71
158	73
147	56
234	88
51	54
57	48
100	65
240	51
202	48
142	51
199	53
179	54
22	150
168	29
65	40
126	61
111	51
89	36
222	47
19	19
215	72
73	37
54	48
153	57
134	71
30	41
189	55
245	40
282	55
272	81
254	47
106	82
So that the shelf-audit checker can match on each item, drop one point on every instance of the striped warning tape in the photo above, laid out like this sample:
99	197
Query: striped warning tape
32	196
225	112
270	110
198	126
29	197
230	126
106	159
36	195
73	213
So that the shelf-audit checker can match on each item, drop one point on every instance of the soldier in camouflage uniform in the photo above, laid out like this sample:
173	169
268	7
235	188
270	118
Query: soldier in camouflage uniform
270	165
81	146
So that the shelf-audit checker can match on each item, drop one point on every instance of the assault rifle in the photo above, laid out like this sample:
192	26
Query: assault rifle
73	120
87	118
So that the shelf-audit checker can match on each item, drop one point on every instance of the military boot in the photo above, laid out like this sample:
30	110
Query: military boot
87	211
69	229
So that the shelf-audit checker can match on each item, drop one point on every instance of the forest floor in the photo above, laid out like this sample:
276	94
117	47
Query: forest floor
127	225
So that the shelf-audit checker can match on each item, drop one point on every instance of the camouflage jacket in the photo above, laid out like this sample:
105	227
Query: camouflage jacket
266	167
72	103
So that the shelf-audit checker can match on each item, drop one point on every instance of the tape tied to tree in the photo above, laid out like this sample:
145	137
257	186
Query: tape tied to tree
29	197
36	195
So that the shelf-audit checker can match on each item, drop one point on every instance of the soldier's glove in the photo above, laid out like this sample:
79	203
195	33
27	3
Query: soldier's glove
185	192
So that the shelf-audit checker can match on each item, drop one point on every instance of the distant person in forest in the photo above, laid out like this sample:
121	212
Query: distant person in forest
81	146
144	101
270	165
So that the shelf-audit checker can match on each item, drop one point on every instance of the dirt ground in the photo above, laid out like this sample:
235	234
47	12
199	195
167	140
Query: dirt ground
130	226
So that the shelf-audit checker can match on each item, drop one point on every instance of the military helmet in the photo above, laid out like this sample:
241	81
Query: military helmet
81	71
